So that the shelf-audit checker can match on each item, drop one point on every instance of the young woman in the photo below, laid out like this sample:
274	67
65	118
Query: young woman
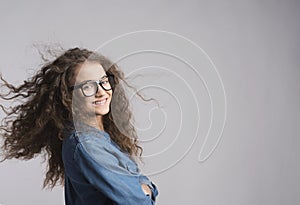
76	111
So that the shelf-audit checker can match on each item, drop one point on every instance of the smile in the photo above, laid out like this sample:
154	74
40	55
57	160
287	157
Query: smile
100	102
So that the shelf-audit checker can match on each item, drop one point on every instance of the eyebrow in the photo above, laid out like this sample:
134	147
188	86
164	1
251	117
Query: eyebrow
83	82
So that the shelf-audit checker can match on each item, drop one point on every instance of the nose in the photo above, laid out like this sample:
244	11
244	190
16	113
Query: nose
100	90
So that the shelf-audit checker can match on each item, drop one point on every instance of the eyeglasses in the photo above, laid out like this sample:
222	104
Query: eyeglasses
90	88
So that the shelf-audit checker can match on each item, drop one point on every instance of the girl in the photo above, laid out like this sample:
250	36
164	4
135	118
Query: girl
76	111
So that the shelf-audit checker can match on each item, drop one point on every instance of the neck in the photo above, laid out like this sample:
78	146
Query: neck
99	122
95	122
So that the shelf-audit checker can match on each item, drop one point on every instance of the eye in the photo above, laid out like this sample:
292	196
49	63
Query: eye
104	82
88	86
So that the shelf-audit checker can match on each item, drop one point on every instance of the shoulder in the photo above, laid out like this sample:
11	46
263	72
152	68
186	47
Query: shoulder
84	141
92	136
94	147
86	138
91	144
97	146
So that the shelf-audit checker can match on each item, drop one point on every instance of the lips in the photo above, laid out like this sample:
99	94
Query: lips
100	102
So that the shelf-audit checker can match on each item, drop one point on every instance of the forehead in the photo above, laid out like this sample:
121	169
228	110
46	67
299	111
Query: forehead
89	71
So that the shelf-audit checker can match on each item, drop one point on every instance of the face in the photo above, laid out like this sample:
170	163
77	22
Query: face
95	106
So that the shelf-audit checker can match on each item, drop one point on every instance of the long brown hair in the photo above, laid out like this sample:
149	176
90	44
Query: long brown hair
37	124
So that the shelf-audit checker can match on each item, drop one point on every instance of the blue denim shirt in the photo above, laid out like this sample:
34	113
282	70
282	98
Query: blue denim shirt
97	172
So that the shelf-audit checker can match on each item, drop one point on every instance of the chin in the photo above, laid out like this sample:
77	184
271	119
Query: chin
102	112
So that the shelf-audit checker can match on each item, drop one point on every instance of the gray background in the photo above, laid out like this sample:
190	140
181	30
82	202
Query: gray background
254	45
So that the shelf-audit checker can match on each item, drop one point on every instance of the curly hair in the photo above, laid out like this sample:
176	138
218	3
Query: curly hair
37	125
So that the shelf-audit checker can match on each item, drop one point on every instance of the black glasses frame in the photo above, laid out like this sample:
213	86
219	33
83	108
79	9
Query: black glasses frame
110	78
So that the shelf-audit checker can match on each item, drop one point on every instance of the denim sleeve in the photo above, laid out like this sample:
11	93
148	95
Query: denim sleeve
145	180
109	171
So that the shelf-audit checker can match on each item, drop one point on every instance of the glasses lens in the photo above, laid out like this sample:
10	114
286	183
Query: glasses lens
105	84
89	88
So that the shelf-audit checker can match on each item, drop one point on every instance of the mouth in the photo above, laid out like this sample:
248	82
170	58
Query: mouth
100	102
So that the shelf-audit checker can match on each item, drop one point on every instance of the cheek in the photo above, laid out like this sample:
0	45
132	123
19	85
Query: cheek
110	93
79	100
110	96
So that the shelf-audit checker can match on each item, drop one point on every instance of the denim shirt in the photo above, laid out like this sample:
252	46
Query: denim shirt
97	172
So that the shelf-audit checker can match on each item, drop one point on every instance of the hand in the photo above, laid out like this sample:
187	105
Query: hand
146	189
